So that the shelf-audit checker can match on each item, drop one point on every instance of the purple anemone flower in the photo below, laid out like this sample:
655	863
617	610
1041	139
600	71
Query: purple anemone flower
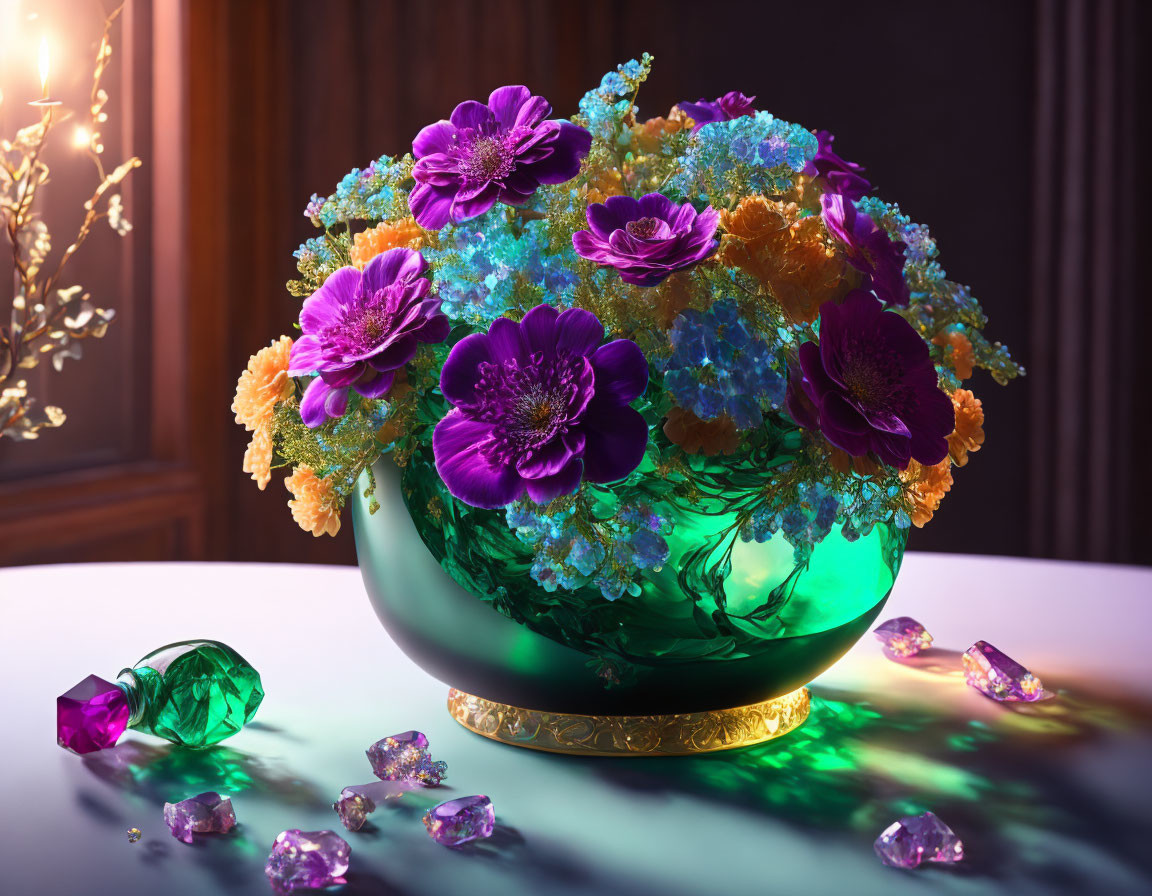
868	248
647	239
487	154
539	405
839	175
724	108
360	327
870	386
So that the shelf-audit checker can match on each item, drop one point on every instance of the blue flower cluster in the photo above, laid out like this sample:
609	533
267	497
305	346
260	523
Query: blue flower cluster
937	301
721	365
603	110
869	504
760	152
364	194
566	558
484	268
805	520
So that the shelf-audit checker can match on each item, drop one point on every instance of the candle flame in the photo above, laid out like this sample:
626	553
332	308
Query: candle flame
43	65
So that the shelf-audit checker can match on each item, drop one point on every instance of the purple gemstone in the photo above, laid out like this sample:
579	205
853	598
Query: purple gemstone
307	859
918	838
460	820
205	813
91	716
902	637
356	803
998	676
397	757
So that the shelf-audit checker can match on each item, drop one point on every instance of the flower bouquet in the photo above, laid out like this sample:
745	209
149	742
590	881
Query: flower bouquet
664	391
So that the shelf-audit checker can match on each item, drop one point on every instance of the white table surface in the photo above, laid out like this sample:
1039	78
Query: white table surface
1053	797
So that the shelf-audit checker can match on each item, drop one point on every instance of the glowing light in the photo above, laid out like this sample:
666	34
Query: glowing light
82	137
42	65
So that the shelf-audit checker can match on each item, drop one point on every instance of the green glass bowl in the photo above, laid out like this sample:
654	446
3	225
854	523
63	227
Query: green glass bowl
451	585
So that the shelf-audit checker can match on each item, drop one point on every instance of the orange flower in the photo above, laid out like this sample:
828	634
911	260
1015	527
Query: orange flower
315	505
367	244
670	297
258	457
961	351
263	385
790	255
604	183
696	436
646	135
926	486
969	432
260	388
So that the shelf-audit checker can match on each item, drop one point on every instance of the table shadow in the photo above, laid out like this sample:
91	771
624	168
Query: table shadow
856	765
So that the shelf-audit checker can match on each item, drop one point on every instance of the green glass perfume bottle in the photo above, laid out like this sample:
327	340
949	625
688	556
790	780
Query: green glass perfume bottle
192	693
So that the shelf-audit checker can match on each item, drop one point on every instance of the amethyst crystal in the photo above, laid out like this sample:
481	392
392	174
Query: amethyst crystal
307	859
918	838
460	820
206	813
356	803
997	675
91	715
902	637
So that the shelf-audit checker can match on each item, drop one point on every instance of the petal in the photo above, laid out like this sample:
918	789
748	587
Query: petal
465	208
933	421
460	372
589	246
569	147
471	114
547	460
430	206
466	472
436	137
603	220
621	371
624	208
506	340
312	404
539	330
340	375
505	103
377	384
395	264
305	356
578	331
324	307
395	355
656	205
615	439
562	483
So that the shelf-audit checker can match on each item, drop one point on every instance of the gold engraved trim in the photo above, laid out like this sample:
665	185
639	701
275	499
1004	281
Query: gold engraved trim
681	734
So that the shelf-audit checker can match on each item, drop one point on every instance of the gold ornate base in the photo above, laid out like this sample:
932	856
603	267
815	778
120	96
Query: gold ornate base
682	734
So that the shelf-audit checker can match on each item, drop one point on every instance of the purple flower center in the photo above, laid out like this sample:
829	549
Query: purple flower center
643	228
363	326
487	158
869	373
529	404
